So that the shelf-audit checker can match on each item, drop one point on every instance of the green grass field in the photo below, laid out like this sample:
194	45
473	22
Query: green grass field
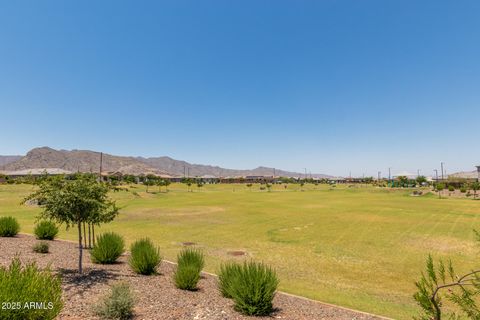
357	247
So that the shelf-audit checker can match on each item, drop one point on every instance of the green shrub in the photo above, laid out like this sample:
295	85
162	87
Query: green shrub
118	304
253	289
145	257
41	247
9	227
108	248
451	188
46	230
190	265
463	190
20	286
228	273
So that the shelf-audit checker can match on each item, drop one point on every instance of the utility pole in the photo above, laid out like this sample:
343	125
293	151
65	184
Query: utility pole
436	175
418	173
478	171
101	164
184	171
305	173
273	173
379	174
441	164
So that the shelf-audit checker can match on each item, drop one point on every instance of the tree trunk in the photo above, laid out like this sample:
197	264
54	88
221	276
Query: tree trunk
93	234
89	236
84	235
80	247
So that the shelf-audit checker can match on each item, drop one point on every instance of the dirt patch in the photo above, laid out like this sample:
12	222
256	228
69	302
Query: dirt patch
237	253
156	296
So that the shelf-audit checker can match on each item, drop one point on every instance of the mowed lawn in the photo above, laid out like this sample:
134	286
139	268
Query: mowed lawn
360	247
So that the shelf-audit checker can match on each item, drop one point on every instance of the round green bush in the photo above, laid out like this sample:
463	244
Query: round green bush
108	248
144	257
9	227
46	230
253	289
41	247
20	286
118	304
190	265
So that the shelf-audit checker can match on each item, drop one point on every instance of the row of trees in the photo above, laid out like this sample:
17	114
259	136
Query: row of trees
474	186
152	180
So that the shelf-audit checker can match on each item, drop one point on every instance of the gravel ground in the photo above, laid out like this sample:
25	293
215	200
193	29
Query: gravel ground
156	296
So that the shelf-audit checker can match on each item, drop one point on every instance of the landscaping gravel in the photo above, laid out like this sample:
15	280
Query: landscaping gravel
156	296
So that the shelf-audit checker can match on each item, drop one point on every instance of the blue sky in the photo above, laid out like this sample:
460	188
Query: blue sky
332	86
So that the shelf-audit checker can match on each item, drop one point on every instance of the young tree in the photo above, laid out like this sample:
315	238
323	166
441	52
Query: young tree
149	183
75	202
475	187
166	183
440	282
440	187
403	181
269	187
160	184
421	180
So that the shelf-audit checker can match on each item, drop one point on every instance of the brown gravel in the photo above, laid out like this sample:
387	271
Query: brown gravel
156	296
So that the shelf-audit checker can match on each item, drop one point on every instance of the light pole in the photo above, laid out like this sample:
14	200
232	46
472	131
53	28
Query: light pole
389	175
478	171
441	164
436	175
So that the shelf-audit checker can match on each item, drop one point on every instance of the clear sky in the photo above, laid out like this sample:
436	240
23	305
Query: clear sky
328	85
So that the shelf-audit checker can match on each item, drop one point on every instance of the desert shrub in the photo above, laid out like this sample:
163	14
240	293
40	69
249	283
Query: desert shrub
41	247
22	286
9	227
190	264
463	190
226	276
46	230
118	304
451	188
253	289
145	257
108	247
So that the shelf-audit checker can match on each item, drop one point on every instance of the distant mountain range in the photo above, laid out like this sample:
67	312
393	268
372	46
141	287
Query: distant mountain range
8	159
465	175
89	161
